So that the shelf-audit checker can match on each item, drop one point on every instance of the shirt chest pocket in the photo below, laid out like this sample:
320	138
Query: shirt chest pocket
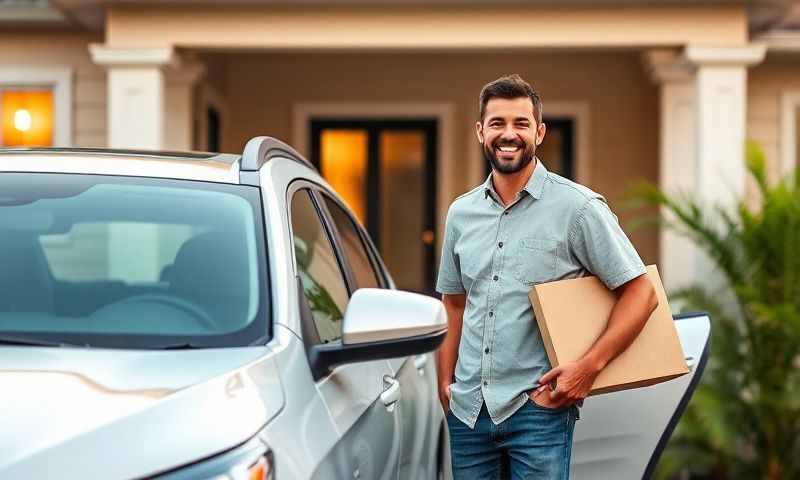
535	260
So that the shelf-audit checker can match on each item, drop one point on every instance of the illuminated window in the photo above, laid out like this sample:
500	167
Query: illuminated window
27	116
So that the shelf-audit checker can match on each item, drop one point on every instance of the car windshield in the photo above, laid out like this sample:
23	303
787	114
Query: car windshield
127	262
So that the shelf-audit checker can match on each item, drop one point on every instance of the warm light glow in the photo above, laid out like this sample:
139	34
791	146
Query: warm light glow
22	120
344	165
27	117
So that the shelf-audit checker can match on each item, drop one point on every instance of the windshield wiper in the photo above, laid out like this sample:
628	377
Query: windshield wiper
14	340
180	346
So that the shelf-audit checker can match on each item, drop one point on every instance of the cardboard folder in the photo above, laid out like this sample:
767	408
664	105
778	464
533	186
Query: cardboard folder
572	314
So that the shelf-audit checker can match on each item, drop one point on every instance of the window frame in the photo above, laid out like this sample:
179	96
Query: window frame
377	267
789	143
57	79
308	326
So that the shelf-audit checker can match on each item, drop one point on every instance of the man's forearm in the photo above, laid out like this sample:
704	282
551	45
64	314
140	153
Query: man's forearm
636	303
448	351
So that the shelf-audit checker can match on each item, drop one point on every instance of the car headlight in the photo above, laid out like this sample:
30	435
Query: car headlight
251	461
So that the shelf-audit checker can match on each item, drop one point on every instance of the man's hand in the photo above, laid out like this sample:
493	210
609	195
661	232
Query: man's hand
573	382
444	396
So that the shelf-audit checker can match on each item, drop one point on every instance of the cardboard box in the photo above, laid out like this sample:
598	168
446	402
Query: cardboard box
572	314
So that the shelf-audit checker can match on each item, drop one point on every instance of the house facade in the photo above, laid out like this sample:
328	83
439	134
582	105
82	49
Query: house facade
382	96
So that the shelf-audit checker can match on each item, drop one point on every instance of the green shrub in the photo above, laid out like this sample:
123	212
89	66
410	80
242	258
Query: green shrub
744	419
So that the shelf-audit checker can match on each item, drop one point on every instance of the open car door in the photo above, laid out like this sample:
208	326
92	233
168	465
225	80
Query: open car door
621	435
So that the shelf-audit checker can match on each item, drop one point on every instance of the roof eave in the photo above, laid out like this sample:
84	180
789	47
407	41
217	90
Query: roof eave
781	41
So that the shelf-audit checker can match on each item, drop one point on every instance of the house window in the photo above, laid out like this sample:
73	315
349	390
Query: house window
27	117
796	134
790	131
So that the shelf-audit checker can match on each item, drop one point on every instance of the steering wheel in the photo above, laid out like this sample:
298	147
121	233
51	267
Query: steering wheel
174	302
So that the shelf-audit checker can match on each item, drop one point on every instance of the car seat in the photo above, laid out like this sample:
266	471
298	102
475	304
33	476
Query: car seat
212	271
26	284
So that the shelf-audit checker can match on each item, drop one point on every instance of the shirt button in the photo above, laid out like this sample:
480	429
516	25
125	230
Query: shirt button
486	350
491	314
500	244
506	212
495	278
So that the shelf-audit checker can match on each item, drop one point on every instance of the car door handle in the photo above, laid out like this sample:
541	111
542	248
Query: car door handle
420	361
391	394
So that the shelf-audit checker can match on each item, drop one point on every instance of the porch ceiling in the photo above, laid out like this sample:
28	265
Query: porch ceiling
424	27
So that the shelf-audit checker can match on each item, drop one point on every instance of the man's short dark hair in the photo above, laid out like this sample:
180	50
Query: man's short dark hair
511	86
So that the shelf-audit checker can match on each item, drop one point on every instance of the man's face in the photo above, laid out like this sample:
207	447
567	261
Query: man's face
509	134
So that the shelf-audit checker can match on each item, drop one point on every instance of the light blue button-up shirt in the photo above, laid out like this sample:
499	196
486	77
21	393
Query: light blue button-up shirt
553	230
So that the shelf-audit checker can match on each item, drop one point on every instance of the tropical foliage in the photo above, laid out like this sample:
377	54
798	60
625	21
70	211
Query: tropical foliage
744	419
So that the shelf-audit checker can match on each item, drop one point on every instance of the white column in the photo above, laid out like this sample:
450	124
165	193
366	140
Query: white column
720	129
677	254
135	94
721	83
703	102
150	97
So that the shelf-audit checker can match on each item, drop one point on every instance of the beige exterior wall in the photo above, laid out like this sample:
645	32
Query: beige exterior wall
262	89
766	85
426	26
48	49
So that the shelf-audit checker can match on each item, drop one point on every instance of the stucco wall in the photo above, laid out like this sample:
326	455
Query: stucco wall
426	26
261	90
766	84
64	49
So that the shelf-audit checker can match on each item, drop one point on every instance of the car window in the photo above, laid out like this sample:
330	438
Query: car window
322	277
357	256
131	262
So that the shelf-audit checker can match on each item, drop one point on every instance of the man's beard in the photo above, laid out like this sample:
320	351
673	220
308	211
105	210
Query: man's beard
504	166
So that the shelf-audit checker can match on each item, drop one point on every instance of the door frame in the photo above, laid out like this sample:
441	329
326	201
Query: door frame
790	102
443	112
373	127
579	113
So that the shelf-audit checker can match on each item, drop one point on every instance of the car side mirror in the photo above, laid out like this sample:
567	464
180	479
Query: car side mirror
380	324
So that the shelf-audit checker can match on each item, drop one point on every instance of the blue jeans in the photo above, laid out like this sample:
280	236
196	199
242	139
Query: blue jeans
535	442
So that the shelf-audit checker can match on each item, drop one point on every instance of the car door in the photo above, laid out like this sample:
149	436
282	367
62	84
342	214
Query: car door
416	375
621	435
368	426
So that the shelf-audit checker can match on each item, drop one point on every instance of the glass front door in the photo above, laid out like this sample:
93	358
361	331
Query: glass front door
385	171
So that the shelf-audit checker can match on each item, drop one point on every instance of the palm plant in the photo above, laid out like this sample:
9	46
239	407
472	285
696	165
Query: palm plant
744	419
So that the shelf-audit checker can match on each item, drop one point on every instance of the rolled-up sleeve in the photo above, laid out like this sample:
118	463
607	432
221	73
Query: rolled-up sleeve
599	244
449	278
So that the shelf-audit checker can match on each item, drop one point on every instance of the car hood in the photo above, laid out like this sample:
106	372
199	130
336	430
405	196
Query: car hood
86	413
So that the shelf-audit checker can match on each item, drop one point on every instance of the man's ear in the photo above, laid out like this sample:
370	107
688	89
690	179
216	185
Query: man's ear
541	130
479	132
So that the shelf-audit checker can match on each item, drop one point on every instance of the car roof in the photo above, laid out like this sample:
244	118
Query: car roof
166	154
208	166
205	166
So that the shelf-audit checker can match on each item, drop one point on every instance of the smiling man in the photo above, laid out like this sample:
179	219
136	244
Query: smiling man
523	226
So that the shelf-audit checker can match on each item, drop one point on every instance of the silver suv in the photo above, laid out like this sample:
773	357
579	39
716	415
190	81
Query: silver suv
188	315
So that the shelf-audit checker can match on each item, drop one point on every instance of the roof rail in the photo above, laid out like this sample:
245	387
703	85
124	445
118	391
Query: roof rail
259	150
